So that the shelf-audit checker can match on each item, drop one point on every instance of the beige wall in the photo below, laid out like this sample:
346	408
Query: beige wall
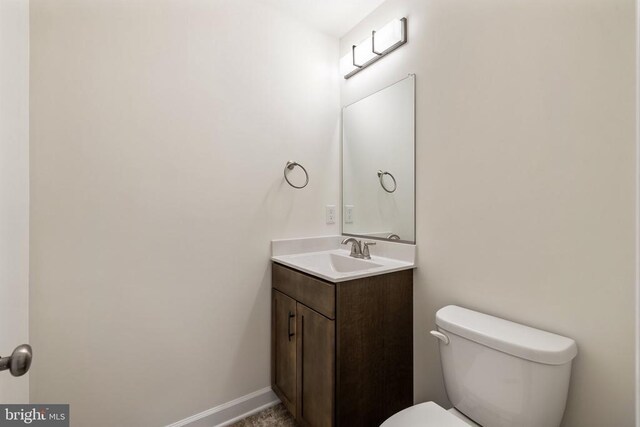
525	177
14	190
159	133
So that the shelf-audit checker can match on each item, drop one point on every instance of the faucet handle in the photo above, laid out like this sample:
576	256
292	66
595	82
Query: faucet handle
365	249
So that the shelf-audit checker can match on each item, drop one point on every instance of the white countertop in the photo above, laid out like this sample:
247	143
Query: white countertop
326	258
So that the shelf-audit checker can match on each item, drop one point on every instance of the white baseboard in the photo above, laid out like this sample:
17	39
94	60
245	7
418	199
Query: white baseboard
230	412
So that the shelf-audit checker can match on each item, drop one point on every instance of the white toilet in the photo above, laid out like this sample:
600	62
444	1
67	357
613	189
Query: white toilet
497	373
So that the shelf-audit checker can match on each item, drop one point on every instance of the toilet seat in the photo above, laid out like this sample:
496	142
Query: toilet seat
427	414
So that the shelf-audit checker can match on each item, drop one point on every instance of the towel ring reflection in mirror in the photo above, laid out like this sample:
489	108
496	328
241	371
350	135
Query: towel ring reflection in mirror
381	175
290	166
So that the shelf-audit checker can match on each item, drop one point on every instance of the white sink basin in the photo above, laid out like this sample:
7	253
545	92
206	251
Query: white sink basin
336	265
329	261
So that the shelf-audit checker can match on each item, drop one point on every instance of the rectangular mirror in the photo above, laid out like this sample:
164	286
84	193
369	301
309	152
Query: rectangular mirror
378	164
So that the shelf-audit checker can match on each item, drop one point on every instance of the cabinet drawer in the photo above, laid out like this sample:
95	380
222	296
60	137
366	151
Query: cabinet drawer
314	293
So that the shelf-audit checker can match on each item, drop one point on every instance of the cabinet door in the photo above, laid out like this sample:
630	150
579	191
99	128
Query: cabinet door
316	368
283	348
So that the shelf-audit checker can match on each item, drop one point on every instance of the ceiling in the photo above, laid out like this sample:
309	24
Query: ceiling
333	17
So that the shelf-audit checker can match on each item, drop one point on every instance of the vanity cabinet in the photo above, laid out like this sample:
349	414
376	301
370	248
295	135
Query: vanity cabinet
342	353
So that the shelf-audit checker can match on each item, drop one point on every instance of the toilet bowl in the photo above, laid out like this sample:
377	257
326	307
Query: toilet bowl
497	373
428	414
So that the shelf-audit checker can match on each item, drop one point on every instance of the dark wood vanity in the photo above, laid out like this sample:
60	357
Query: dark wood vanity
342	353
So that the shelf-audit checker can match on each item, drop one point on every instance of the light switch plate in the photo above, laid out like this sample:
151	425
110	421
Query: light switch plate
348	214
331	214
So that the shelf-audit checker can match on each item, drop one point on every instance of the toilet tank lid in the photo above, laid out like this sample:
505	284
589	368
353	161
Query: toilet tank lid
506	336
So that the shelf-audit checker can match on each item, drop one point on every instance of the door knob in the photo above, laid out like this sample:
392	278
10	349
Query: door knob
19	362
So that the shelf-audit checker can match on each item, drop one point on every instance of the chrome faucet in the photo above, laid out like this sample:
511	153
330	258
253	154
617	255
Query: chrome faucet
356	249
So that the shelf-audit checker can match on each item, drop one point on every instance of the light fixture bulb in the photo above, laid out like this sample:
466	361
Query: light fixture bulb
389	36
363	52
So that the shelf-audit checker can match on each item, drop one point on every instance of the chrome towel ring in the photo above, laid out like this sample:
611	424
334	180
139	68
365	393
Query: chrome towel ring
289	166
381	175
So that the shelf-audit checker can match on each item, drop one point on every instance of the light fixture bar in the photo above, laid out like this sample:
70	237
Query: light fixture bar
381	43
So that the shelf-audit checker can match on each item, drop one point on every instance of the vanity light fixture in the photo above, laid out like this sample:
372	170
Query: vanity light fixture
382	42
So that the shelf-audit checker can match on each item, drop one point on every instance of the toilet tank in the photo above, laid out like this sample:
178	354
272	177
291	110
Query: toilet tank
500	373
